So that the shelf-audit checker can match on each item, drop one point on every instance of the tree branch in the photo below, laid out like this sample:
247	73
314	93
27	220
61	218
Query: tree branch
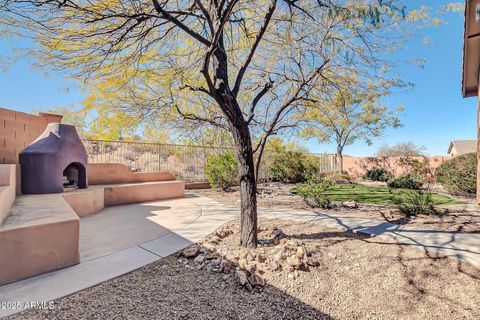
193	117
180	24
258	38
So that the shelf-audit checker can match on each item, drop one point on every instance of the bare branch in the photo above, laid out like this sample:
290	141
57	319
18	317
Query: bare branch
258	38
180	24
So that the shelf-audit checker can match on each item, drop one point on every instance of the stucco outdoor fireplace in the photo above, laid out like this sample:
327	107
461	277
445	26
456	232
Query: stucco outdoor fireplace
55	162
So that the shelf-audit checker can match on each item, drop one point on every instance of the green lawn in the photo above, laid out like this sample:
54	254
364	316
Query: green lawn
376	195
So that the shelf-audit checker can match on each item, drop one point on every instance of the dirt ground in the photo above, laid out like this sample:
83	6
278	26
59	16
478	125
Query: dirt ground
357	278
460	218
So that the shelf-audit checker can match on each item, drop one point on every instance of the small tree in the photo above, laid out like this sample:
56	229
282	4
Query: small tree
346	116
402	149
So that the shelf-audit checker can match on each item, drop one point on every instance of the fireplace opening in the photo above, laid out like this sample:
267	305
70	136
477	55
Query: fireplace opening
72	176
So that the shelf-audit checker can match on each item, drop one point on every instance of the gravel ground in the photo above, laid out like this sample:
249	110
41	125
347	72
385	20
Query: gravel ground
461	218
358	278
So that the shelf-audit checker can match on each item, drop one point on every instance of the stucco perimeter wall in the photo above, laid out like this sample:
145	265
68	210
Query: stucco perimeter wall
8	179
357	166
115	173
18	130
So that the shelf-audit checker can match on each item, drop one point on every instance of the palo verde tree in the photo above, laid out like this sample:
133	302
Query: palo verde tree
347	116
245	66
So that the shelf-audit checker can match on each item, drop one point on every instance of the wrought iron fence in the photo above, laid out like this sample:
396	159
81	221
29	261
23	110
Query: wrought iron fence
186	162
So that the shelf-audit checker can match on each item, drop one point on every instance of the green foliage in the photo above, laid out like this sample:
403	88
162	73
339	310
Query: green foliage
376	195
314	193
339	178
293	166
459	175
378	174
415	203
350	114
222	171
406	181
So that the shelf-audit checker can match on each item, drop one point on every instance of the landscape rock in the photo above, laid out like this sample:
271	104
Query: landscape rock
295	262
242	277
261	258
225	266
215	239
301	252
256	280
224	232
288	268
271	230
242	263
251	267
312	262
350	204
280	257
190	252
272	265
199	259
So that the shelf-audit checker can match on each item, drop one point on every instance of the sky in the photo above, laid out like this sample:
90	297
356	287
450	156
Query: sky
435	112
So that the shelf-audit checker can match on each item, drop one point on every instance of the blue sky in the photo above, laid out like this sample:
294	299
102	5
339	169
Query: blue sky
435	110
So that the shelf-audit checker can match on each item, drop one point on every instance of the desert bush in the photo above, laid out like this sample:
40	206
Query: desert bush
459	175
378	174
222	171
413	203
418	167
314	193
406	181
339	178
293	166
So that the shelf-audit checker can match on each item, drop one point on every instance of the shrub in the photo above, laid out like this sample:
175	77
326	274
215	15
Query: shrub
413	203
406	181
418	167
338	178
293	166
222	171
378	174
314	193
459	175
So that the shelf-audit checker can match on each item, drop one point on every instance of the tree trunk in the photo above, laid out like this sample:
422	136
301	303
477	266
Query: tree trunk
248	186
243	142
340	157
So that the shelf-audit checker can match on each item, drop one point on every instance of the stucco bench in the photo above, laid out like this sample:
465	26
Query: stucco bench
95	198
40	234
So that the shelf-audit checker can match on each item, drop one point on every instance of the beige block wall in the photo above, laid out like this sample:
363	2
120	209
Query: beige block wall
18	130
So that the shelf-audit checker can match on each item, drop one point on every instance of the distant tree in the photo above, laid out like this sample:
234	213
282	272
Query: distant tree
402	149
74	117
346	117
